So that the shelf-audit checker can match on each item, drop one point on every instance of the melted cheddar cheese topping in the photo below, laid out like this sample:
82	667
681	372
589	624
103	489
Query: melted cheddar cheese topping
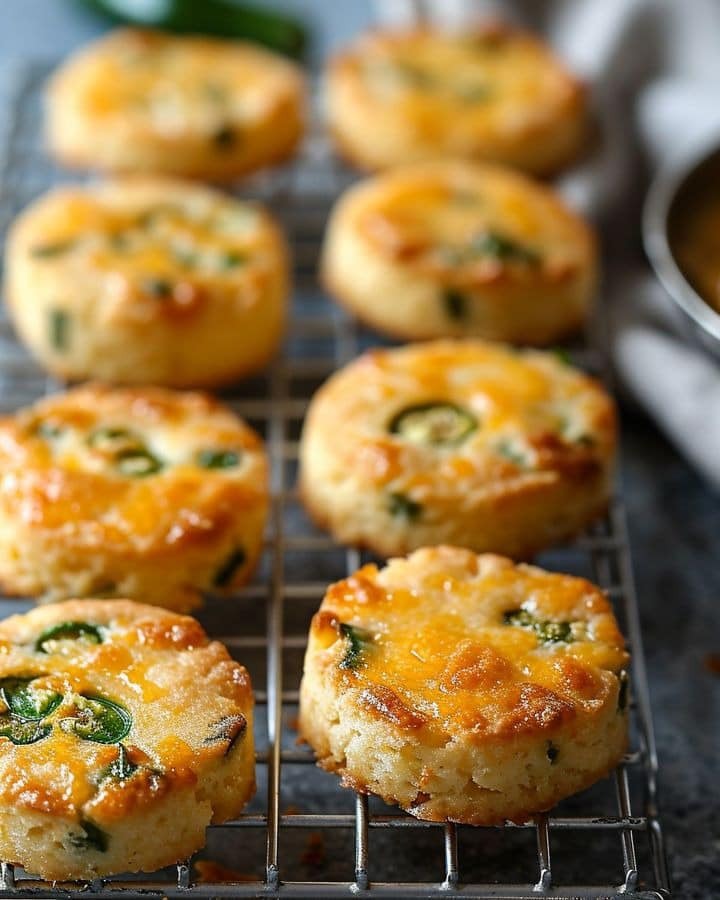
142	469
493	80
533	414
473	224
433	642
154	248
172	85
183	704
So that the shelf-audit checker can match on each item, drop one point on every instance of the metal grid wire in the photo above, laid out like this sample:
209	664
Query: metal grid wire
315	839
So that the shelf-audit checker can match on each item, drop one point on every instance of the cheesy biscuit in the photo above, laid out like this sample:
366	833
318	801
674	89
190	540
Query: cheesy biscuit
488	93
464	687
457	442
136	492
147	102
147	281
124	731
460	249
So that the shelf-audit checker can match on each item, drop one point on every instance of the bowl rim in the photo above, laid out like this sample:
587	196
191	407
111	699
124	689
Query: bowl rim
656	208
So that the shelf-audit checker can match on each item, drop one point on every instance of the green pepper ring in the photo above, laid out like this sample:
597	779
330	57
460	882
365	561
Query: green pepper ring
68	630
15	695
115	725
463	423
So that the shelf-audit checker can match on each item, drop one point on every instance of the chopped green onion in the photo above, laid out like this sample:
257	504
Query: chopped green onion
160	288
228	729
232	258
414	75
218	459
227	570
91	838
585	440
47	251
547	632
456	304
48	430
402	507
119	240
59	326
187	258
359	641
121	768
511	454
154	214
225	137
500	246
103	589
561	354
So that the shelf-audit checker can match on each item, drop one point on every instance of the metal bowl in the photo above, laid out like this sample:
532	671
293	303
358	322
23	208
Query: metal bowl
671	187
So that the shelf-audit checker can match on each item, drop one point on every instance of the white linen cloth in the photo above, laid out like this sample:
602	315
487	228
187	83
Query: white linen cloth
654	68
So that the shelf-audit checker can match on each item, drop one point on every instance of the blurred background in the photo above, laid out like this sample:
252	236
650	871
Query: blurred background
51	28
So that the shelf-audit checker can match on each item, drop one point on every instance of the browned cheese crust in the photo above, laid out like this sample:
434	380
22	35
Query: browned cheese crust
119	723
458	442
464	687
489	93
143	492
146	102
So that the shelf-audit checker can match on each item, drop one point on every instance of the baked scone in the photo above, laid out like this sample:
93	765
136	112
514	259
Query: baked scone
124	732
465	687
451	248
145	493
146	101
490	93
457	442
147	281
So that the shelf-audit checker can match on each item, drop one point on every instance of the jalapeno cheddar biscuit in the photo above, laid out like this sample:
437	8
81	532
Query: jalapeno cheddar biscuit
147	281
124	732
143	102
458	442
489	93
144	493
458	249
464	687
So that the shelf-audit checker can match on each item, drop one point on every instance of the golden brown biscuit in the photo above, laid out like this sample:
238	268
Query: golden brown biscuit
147	281
124	732
453	249
488	93
144	493
148	102
465	687
457	442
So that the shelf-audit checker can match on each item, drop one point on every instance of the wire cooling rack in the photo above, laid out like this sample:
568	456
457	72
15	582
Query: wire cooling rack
303	835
